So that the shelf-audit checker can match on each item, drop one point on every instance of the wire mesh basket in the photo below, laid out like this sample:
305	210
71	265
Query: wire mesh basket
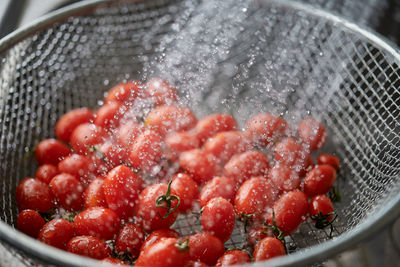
240	57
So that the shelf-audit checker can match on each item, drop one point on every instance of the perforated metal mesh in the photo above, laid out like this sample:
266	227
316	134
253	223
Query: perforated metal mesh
240	57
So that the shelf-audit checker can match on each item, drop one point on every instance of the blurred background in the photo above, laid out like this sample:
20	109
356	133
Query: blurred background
381	16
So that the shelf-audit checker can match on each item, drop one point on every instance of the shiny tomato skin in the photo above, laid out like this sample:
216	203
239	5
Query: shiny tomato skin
86	135
321	204
329	159
109	115
30	222
129	239
196	264
146	151
264	128
68	191
160	91
121	190
89	246
201	165
312	133
124	92
257	233
51	151
46	172
56	233
113	261
97	221
79	166
219	186
233	257
70	120
112	154
178	142
127	132
218	218
284	178
211	125
94	194
157	235
34	194
319	180
205	248
186	189
289	151
268	248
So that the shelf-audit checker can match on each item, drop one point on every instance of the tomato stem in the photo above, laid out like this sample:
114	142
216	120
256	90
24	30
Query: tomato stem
182	245
334	195
276	230
321	221
167	198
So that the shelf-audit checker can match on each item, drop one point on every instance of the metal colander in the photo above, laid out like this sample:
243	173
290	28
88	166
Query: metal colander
240	57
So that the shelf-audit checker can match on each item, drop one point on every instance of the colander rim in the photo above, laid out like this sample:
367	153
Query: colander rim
306	256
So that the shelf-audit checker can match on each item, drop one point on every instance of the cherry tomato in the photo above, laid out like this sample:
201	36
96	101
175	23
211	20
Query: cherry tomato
121	190
218	218
124	92
94	194
254	197
319	180
218	187
86	135
56	233
30	222
195	264
178	142
129	239
284	178
166	119
89	246
269	247
321	204
164	253
146	151
109	115
312	133
245	165
211	125
127	132
264	128
113	261
289	152
112	154
160	91
328	159
257	233
68	191
46	172
97	221
79	166
70	120
233	257
51	151
205	248
153	217
200	165
290	211
186	189
226	144
34	194
157	235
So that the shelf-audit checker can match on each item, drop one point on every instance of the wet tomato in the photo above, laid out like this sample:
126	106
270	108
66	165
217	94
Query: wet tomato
205	248
289	152
113	261
146	151
178	142
328	159
94	194
186	189
268	248
68	191
284	178
233	257
157	235
312	133
124	92
257	233
56	233
321	205
201	165
109	115
30	222
127	132
79	166
195	264
70	120
111	154
89	246
265	128
161	92
46	172
85	136
218	187
319	180
211	125
51	151
129	239
34	194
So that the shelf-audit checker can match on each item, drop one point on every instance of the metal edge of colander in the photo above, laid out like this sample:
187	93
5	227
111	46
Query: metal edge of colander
306	256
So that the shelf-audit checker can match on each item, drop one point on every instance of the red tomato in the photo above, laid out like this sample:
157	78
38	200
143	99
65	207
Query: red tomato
328	159
46	172
79	166
30	222
129	239
121	190
164	253
123	92
268	248
70	120
89	246
86	135
218	218
157	235
166	119
112	154
127	132
94	194
109	115
33	194
68	191
258	233
195	264
218	187
321	204
284	178
255	197
245	165
51	151
226	144
186	189
150	214
56	233
160	91
233	257
312	133
146	151
200	165
97	221
289	152
290	211
211	125
178	142
319	180
264	128
205	248
113	261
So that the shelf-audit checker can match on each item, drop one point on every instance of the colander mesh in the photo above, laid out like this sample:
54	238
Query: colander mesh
259	56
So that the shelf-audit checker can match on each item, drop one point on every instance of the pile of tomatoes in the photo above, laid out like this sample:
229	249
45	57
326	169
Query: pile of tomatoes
114	181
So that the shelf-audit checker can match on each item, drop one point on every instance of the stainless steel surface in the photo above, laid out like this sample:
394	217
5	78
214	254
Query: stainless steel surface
249	60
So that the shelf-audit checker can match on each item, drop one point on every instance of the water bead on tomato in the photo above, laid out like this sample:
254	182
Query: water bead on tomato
124	92
213	124
51	151
46	172
146	151
312	133
268	248
56	233
70	120
85	136
219	186
202	166
94	194
129	239
34	194
68	191
30	222
319	180
89	246
265	128
160	91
